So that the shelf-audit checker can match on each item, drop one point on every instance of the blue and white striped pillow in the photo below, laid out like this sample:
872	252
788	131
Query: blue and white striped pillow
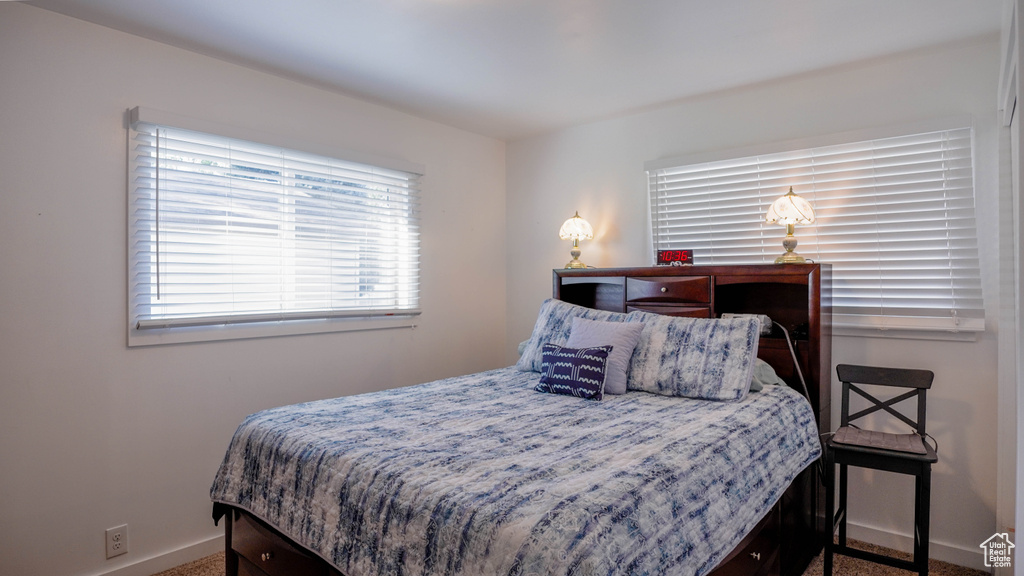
706	358
554	322
577	372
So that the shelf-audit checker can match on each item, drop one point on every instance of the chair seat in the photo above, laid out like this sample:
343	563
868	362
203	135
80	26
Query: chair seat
881	440
906	446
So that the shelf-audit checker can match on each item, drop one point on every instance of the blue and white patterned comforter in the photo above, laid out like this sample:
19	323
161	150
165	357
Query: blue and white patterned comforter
481	475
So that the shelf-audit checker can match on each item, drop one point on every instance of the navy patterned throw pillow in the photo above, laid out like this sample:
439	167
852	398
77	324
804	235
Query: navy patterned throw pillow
574	371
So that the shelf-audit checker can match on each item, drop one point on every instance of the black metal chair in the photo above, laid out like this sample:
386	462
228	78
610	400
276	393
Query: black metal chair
900	453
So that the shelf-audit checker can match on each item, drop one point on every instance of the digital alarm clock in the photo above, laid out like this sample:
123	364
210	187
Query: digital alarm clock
674	257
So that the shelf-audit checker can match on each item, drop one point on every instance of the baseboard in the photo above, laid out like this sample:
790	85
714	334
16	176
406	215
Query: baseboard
871	535
169	560
905	543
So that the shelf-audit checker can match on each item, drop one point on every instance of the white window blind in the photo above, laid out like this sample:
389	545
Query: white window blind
224	231
894	217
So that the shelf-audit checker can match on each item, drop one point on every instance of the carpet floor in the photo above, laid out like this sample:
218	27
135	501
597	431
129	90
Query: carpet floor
843	566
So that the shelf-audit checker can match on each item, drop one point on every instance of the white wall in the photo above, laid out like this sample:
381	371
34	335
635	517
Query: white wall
93	434
598	169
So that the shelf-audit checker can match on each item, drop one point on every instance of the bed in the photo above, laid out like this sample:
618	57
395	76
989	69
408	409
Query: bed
484	474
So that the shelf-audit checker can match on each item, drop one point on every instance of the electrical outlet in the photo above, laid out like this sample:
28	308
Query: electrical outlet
117	541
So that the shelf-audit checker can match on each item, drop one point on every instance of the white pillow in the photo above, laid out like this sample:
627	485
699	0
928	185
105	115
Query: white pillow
764	375
621	336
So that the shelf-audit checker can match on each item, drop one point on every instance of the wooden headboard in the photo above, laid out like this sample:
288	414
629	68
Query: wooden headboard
797	296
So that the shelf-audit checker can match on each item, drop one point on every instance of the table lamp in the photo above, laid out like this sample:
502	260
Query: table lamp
576	229
789	210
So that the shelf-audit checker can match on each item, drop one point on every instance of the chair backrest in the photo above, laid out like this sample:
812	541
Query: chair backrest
918	381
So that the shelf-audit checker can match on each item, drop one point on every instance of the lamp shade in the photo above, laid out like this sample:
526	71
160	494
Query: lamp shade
790	209
576	228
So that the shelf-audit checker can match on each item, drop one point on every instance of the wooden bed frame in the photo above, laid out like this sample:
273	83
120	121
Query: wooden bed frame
797	296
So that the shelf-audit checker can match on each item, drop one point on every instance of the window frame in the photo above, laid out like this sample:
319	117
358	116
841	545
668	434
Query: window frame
338	321
853	324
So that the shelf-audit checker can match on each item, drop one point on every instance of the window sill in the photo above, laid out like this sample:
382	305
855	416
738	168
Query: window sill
904	334
907	328
182	335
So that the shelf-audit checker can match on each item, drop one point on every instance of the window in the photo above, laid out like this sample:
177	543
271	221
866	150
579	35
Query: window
226	232
894	217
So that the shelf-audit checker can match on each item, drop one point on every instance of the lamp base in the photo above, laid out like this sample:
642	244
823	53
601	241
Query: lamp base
789	243
790	258
575	253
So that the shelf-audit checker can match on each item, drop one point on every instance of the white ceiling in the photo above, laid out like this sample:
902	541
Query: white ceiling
509	68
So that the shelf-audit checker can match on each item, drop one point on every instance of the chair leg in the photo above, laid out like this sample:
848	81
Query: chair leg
830	518
842	503
922	505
